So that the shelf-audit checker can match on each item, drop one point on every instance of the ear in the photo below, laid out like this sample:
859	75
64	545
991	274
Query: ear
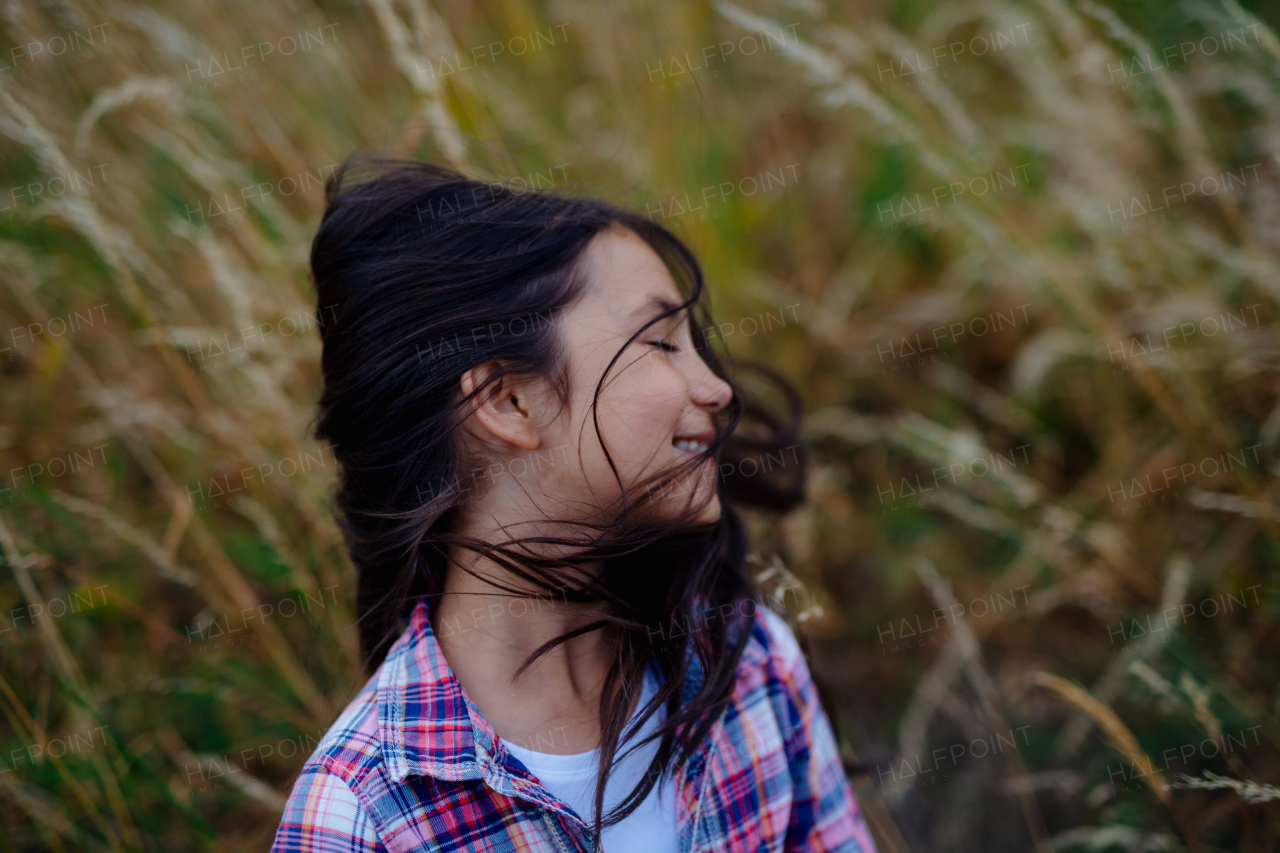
505	410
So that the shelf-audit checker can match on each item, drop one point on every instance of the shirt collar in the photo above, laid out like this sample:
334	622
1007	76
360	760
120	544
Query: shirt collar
427	725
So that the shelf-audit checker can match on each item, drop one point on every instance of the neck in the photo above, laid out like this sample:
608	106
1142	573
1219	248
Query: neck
486	633
487	610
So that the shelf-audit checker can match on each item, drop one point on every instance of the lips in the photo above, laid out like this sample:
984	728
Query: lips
695	443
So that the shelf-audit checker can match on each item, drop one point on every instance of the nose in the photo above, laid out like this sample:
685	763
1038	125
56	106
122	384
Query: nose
710	392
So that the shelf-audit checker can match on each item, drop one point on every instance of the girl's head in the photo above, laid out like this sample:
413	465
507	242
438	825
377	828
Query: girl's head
567	446
525	376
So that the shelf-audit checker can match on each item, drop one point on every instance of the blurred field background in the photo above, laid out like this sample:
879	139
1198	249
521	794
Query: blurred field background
1028	628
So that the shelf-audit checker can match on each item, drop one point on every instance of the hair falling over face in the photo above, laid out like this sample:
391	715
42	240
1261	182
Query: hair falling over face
432	274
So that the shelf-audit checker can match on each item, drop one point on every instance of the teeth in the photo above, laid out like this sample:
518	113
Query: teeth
691	446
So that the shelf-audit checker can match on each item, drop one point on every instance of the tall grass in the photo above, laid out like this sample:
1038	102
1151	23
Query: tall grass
177	603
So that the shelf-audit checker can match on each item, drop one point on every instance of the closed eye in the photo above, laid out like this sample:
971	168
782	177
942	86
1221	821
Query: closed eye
663	345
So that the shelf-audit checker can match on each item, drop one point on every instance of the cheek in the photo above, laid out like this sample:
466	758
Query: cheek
644	405
638	409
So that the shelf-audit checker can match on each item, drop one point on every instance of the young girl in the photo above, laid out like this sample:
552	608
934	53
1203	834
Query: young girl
538	476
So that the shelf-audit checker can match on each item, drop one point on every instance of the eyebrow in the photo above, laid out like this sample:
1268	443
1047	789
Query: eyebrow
656	305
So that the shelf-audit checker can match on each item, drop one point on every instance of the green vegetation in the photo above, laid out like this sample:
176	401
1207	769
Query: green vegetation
1022	258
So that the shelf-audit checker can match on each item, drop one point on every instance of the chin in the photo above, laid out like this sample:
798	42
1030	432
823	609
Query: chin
711	512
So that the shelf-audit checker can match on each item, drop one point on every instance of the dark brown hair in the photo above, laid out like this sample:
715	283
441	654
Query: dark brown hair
432	274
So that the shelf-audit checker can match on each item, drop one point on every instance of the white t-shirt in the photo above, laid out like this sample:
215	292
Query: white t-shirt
651	828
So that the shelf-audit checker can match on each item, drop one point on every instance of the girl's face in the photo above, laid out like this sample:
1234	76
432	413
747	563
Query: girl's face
655	409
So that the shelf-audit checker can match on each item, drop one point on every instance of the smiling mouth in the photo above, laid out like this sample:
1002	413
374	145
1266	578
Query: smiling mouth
696	445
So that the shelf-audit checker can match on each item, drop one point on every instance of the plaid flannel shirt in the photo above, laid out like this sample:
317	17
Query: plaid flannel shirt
411	764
